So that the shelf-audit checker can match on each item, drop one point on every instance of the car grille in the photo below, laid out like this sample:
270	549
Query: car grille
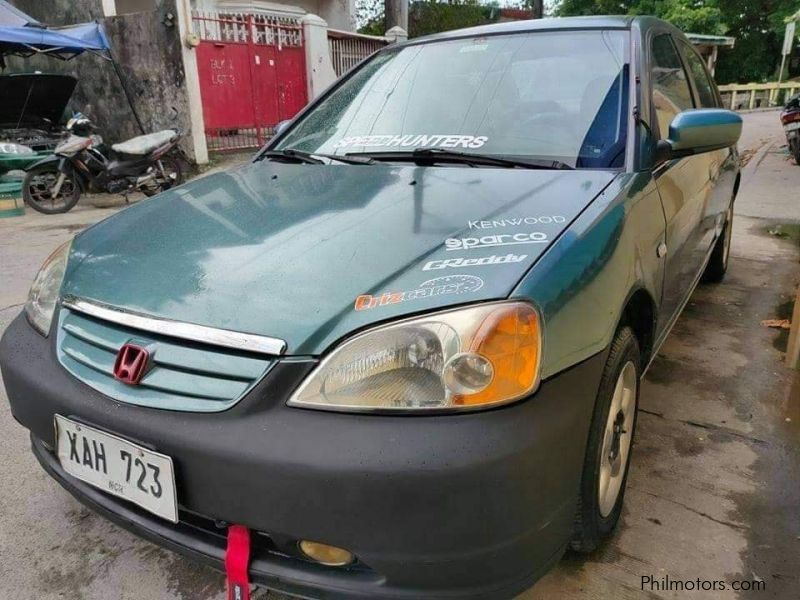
184	376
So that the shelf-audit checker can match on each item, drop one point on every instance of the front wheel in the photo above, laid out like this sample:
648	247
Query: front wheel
608	452
168	174
39	185
718	263
794	146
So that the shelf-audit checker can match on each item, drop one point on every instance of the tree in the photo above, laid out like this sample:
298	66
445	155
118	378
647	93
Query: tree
697	16
369	15
757	26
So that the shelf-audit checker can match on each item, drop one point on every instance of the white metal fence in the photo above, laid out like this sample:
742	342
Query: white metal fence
349	49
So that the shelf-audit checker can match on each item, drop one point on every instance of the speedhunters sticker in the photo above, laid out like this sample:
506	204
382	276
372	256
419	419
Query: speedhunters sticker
439	286
413	141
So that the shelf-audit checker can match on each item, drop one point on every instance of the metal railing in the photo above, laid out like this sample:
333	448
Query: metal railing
749	96
348	49
241	28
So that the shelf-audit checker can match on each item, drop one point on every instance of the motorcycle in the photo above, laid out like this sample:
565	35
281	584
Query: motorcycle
790	118
82	163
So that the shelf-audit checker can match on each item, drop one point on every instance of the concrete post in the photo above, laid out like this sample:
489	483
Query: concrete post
109	8
319	68
395	13
192	81
396	34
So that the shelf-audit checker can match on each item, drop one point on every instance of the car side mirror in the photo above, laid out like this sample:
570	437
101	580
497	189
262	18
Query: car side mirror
281	127
697	131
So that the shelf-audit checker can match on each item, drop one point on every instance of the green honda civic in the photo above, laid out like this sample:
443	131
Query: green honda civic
398	354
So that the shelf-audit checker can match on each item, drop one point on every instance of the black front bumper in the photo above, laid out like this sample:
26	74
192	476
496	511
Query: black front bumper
451	506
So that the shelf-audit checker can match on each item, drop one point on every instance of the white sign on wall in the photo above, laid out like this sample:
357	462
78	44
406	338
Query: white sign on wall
788	38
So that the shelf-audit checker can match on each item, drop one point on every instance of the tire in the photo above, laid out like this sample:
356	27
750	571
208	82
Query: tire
173	166
718	263
795	148
37	185
608	452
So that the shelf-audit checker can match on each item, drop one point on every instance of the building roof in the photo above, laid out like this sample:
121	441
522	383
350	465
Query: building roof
711	40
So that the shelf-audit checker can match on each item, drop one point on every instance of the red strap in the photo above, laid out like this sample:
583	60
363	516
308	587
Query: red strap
236	559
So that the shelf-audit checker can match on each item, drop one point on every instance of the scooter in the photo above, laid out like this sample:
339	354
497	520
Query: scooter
82	163
790	117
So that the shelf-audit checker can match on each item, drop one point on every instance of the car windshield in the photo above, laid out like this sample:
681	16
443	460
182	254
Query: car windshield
558	95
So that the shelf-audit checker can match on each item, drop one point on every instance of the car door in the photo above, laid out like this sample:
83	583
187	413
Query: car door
723	162
683	184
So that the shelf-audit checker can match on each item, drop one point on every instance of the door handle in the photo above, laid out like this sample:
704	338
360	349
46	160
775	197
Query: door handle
661	251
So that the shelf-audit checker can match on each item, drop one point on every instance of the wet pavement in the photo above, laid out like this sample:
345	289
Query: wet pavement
714	489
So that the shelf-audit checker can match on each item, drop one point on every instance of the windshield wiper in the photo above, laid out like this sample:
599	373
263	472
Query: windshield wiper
312	158
425	156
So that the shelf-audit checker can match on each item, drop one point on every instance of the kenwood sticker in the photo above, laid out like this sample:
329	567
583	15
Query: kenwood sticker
414	141
457	263
440	286
516	221
489	241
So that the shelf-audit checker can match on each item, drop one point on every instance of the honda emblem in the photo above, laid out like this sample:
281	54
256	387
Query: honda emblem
131	364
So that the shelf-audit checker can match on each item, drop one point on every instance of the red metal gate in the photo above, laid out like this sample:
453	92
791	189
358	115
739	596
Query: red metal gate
252	76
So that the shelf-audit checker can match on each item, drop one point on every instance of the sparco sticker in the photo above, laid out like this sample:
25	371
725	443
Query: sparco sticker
414	141
489	241
457	263
516	221
440	286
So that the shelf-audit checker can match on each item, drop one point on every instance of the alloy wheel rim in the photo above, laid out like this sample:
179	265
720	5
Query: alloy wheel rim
617	439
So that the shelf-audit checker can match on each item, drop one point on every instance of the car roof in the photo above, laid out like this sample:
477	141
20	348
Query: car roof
555	24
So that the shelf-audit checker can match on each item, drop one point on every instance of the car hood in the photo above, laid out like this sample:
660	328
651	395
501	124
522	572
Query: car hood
34	99
310	253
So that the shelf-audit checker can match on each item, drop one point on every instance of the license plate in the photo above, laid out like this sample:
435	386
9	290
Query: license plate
118	467
792	126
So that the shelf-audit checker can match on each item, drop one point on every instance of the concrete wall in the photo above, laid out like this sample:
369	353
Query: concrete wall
147	47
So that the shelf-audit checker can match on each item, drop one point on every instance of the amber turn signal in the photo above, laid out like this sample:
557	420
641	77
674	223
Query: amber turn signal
510	340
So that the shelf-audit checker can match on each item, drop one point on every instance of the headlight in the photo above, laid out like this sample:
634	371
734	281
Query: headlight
9	148
43	296
455	360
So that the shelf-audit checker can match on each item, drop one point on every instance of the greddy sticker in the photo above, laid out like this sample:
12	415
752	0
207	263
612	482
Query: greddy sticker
413	140
501	239
440	286
516	221
456	263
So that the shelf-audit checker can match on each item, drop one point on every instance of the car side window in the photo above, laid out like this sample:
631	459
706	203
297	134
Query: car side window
705	88
671	93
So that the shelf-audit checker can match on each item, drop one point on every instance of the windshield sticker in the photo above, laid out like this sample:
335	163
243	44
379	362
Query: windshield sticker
495	223
440	286
488	241
473	48
413	141
457	263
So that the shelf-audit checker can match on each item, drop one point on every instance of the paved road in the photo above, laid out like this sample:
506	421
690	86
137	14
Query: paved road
715	482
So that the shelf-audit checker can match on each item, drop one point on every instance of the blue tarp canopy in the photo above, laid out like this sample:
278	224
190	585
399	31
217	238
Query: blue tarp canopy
22	35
